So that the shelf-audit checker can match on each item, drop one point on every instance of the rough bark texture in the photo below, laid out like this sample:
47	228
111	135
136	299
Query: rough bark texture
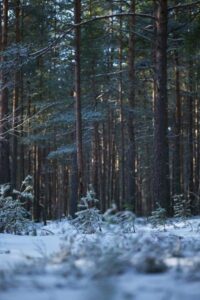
161	153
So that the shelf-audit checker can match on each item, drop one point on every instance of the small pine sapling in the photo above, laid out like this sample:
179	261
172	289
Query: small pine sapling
14	217
88	219
158	217
181	206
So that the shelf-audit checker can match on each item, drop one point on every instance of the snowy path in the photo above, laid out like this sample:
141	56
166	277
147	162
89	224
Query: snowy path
105	266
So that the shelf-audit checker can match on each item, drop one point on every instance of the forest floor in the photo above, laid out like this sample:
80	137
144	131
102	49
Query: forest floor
61	263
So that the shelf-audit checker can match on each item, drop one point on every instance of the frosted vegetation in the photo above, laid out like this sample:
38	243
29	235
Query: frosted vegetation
14	217
104	256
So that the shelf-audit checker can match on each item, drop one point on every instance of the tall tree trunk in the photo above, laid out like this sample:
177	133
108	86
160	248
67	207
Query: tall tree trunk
22	147
95	160
131	190
190	156
4	138
36	167
177	132
161	189
197	143
104	178
74	186
121	104
79	145
15	99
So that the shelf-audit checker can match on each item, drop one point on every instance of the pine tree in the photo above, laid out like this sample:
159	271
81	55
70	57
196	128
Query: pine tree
88	219
158	216
14	218
182	206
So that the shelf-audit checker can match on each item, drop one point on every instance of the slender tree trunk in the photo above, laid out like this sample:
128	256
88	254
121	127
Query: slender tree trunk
131	190
161	189
197	143
122	139
38	205
95	161
113	173
74	186
22	149
66	190
29	147
94	174
110	127
197	170
15	99
190	168
79	145
104	167
177	132
4	138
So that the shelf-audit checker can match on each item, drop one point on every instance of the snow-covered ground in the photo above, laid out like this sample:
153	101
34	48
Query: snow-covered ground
61	263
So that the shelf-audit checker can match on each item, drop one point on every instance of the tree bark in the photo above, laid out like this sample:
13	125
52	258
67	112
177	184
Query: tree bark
15	99
161	153
190	155
177	132
74	186
4	138
131	189
121	104
79	144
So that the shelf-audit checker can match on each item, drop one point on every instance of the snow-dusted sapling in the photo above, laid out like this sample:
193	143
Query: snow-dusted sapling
158	216
14	217
182	206
88	219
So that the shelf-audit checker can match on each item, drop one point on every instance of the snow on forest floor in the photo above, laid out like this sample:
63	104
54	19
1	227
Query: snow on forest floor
60	263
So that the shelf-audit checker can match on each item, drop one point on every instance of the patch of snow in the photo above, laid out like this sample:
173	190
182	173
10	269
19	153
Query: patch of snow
62	263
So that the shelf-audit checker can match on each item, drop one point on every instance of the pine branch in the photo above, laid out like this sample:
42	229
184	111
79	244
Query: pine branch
180	6
46	49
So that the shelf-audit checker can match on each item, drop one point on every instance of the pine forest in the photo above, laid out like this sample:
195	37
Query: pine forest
100	148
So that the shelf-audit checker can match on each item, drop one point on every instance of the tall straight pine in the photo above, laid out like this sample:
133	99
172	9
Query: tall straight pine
161	189
79	144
